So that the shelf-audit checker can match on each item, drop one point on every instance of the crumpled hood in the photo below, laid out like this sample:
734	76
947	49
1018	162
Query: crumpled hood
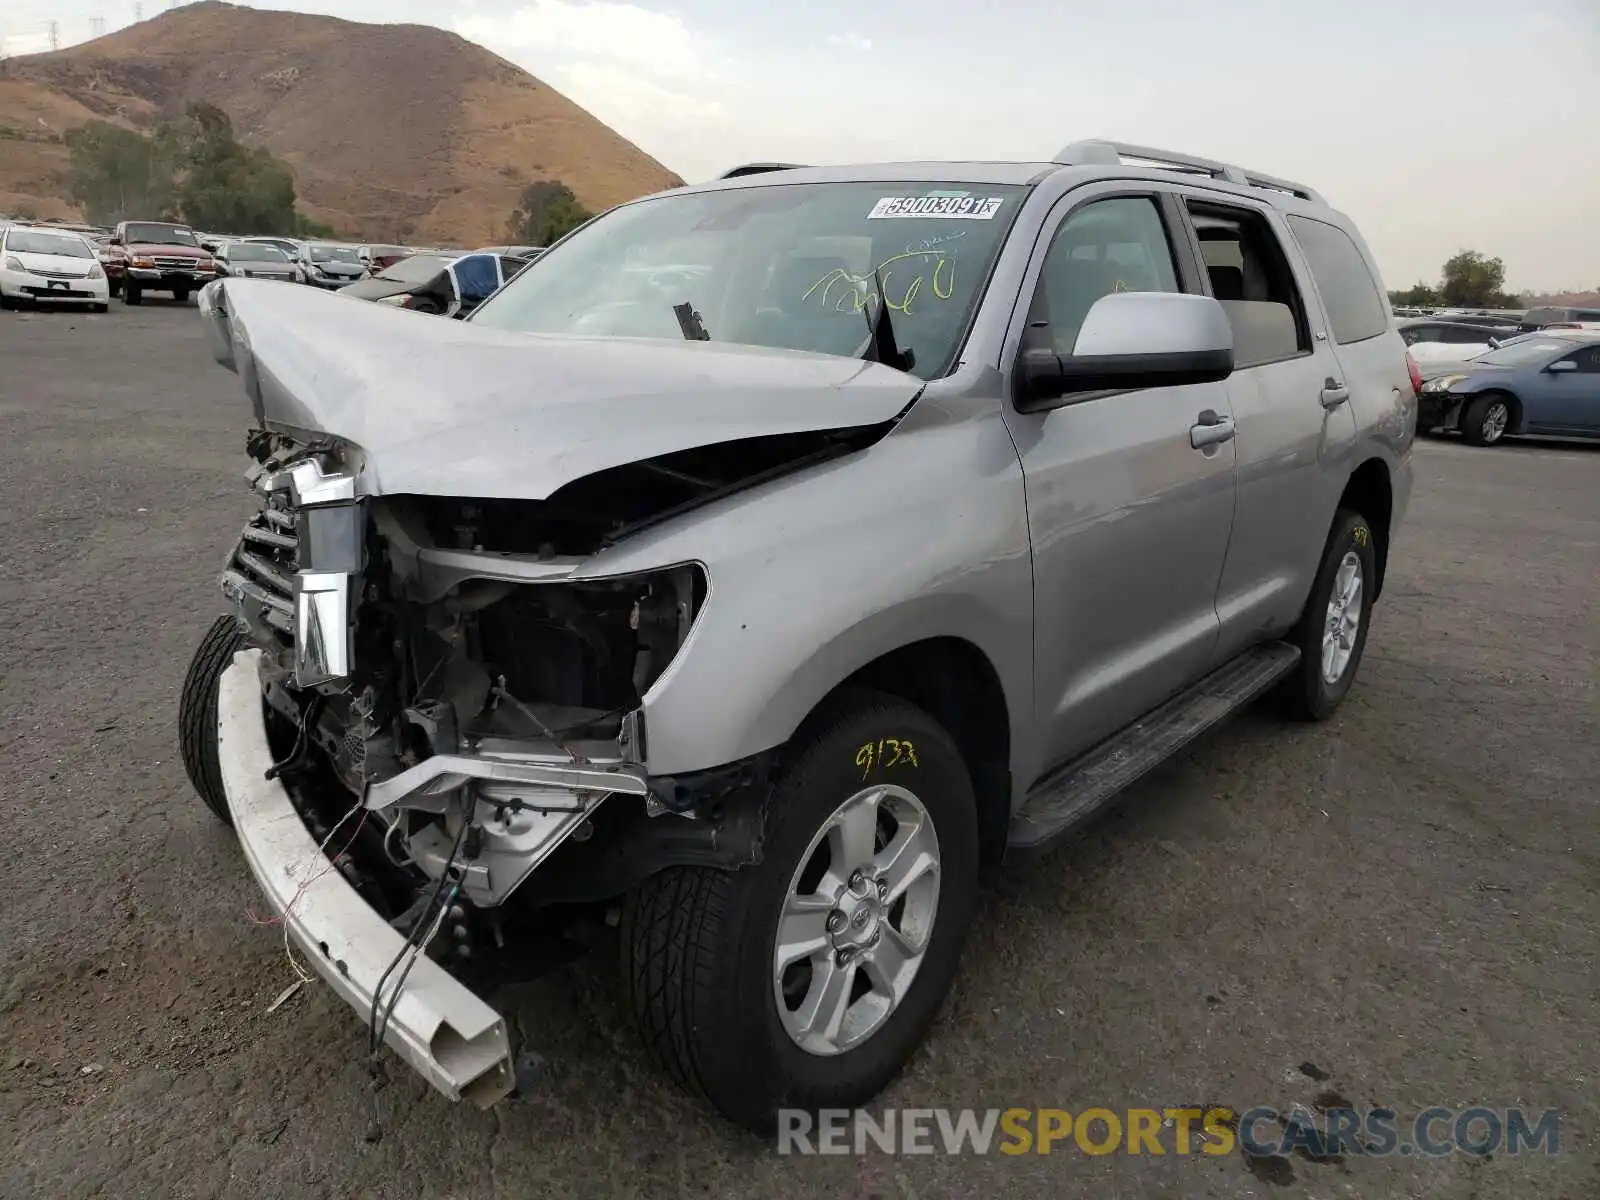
448	408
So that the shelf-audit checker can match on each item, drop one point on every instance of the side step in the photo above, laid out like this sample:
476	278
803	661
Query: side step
1070	795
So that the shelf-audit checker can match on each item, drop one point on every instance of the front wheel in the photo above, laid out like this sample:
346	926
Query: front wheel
809	980
197	713
180	296
1333	629
1486	419
131	294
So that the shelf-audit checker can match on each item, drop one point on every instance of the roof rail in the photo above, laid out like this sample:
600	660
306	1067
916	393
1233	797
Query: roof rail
1100	152
759	168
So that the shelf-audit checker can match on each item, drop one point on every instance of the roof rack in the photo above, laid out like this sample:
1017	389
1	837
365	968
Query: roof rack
759	168
1100	152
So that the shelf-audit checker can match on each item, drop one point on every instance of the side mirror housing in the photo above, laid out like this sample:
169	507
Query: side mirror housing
116	240
1130	340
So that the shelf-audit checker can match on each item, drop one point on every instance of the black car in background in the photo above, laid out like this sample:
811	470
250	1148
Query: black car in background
440	284
257	260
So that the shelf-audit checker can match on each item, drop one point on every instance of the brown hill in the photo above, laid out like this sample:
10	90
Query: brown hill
393	131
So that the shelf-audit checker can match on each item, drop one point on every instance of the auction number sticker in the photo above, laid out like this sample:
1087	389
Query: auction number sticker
966	208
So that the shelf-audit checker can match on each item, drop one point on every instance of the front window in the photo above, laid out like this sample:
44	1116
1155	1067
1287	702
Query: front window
159	235
793	266
1523	353
335	254
21	241
245	253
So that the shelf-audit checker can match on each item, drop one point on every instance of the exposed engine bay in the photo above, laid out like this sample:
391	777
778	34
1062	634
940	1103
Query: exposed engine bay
430	660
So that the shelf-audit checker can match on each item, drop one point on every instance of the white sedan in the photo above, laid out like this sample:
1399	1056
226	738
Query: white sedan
55	266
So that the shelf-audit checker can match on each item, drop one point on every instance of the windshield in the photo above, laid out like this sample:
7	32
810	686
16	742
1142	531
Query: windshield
242	252
785	265
419	268
1522	352
335	254
24	242
160	235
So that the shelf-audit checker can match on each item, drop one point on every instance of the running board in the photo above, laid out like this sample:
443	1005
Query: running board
1067	797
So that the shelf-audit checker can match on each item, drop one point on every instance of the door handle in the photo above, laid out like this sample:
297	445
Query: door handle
1210	429
1334	393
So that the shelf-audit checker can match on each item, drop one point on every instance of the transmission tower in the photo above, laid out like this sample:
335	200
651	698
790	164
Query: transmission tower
97	26
55	35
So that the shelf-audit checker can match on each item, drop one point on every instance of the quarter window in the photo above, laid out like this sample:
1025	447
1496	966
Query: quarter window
1117	245
1355	305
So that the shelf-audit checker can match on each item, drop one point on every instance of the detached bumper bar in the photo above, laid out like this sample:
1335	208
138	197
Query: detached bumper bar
449	1036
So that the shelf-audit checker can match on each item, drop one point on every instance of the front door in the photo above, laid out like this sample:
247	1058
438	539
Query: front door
1129	521
1565	400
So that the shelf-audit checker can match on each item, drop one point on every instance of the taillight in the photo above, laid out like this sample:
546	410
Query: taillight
1415	372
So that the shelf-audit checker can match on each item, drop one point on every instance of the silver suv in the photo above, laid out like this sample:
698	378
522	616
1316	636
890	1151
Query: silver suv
764	559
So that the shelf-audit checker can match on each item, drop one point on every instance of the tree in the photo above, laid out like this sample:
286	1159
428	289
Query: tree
547	211
1418	295
1473	281
193	169
118	174
227	185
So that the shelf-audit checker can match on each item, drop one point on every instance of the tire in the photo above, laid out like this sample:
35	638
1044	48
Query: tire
7	303
115	289
1307	693
180	295
699	944
131	295
1486	419
100	308
197	713
428	307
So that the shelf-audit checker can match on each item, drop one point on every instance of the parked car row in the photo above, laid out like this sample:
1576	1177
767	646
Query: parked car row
67	263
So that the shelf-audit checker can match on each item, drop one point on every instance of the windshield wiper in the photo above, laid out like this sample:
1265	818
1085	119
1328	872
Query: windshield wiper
881	344
694	329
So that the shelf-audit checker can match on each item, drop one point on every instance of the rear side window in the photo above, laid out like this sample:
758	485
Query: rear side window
1354	303
1250	276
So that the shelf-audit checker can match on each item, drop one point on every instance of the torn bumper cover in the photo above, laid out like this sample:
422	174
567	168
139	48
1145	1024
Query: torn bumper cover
446	1033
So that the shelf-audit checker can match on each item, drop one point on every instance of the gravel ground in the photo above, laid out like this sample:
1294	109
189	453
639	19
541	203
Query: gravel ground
1398	906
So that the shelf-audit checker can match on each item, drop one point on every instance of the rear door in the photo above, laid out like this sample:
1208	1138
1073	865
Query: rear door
1128	519
1287	393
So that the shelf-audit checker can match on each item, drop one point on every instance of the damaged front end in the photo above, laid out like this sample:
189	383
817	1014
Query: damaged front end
437	679
447	670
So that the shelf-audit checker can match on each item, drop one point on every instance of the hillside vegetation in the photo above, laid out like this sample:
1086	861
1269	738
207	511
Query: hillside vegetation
392	131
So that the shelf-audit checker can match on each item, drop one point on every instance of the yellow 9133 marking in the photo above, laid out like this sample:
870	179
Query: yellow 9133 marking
889	752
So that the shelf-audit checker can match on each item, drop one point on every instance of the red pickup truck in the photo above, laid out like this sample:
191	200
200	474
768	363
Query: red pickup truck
159	256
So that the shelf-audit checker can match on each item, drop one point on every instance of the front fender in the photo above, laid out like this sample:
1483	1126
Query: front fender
812	577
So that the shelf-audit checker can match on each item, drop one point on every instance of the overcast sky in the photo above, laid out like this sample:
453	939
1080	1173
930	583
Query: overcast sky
1437	124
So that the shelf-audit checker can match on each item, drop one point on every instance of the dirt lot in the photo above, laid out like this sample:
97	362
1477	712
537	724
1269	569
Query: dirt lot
1404	900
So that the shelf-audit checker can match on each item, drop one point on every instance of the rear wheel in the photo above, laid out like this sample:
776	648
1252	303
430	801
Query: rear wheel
1333	630
1486	419
197	713
808	981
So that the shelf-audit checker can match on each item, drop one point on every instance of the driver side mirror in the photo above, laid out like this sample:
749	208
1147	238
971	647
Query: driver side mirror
115	240
1128	340
1561	366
